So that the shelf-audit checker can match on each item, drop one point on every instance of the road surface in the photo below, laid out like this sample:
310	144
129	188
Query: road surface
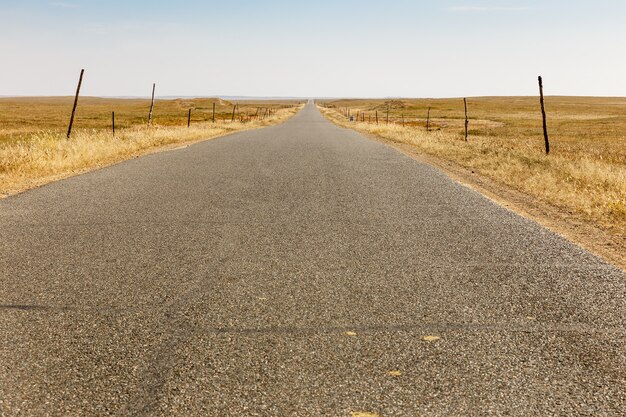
297	270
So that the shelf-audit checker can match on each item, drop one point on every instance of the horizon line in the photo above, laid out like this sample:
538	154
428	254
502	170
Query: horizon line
226	97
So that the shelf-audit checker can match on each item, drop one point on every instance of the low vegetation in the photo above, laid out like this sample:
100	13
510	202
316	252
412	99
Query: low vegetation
34	148
585	172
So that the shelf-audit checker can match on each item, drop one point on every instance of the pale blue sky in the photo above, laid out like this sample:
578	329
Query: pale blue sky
348	48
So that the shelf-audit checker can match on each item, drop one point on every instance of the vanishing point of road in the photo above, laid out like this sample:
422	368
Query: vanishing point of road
297	270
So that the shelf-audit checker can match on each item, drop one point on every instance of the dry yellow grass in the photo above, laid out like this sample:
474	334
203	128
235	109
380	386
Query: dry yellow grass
585	173
36	151
21	117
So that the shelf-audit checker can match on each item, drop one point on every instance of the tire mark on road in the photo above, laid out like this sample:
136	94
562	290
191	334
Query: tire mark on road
177	330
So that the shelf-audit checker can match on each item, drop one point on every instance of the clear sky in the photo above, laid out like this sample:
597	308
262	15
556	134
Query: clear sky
314	48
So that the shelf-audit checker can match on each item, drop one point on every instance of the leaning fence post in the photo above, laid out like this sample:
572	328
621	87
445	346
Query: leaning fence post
189	118
543	114
232	120
151	106
80	81
466	120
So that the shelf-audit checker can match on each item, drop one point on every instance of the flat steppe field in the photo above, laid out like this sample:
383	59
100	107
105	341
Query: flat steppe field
20	118
584	175
34	149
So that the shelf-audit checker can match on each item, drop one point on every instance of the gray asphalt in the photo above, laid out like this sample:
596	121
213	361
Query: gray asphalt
298	270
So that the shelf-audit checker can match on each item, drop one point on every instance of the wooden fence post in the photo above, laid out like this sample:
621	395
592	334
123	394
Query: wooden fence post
151	106
213	112
113	122
466	120
428	120
232	120
376	116
80	81
189	118
543	114
402	120
387	113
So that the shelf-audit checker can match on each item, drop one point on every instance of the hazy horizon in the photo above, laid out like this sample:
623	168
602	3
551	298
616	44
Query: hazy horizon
278	49
270	98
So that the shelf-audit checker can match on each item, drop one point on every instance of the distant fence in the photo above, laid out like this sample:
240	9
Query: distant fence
261	113
373	117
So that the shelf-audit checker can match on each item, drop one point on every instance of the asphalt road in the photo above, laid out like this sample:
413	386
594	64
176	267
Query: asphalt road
298	270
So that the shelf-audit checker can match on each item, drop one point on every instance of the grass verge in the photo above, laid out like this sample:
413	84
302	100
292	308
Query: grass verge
586	190
44	156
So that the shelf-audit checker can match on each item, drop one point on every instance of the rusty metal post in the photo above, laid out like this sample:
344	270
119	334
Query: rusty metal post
543	115
151	106
466	120
80	82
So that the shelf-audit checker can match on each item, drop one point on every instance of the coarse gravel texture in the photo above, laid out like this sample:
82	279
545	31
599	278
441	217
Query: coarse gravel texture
297	270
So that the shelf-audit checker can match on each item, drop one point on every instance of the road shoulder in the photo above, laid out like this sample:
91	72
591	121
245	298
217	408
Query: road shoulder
609	246
22	179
